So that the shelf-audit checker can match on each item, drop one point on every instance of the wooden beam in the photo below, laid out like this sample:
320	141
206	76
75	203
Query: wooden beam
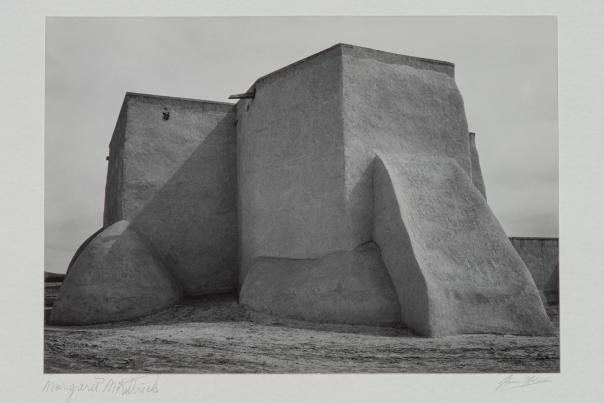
250	94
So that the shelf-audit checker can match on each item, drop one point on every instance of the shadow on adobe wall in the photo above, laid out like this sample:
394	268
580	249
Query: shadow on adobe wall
189	225
192	220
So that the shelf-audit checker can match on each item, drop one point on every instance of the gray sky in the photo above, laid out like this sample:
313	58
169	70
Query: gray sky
506	70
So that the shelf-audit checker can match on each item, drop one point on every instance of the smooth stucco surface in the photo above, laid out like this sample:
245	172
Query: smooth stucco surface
307	138
453	267
177	186
171	189
307	189
290	164
116	277
541	257
351	287
393	105
476	171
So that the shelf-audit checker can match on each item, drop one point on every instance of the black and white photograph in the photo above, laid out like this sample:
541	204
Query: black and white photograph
321	195
319	201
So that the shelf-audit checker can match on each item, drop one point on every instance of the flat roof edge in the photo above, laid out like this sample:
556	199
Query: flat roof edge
397	57
200	101
421	59
298	62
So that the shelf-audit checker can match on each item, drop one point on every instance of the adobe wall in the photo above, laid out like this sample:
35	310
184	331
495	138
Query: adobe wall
174	179
453	268
290	163
351	287
307	139
115	169
276	195
117	276
541	257
395	104
476	171
307	142
298	258
170	221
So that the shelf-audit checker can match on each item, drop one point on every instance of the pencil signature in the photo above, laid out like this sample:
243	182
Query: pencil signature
121	386
516	382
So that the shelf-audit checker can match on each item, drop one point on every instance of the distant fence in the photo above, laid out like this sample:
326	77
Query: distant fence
541	257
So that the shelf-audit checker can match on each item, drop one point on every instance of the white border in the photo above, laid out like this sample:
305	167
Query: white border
581	103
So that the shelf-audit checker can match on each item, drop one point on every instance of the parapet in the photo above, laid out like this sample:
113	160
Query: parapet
441	66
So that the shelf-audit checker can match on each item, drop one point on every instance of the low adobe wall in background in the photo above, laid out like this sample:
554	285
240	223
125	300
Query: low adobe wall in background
541	257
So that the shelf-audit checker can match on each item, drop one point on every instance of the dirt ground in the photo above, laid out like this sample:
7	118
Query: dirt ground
216	335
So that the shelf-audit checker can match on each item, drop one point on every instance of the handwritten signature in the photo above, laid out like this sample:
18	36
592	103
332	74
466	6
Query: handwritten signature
516	382
130	386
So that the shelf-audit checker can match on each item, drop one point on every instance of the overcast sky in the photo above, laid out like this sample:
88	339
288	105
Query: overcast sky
506	70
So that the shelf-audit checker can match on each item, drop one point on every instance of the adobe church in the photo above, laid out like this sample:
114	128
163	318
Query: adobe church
344	188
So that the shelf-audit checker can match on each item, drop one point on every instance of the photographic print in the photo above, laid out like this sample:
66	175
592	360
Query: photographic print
301	195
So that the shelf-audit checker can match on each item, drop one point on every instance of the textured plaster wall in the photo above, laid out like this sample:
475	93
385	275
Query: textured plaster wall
541	258
115	169
476	171
395	103
350	287
307	143
452	266
290	163
117	276
175	180
298	257
170	220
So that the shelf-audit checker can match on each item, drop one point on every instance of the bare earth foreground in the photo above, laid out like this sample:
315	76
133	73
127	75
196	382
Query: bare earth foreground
217	335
